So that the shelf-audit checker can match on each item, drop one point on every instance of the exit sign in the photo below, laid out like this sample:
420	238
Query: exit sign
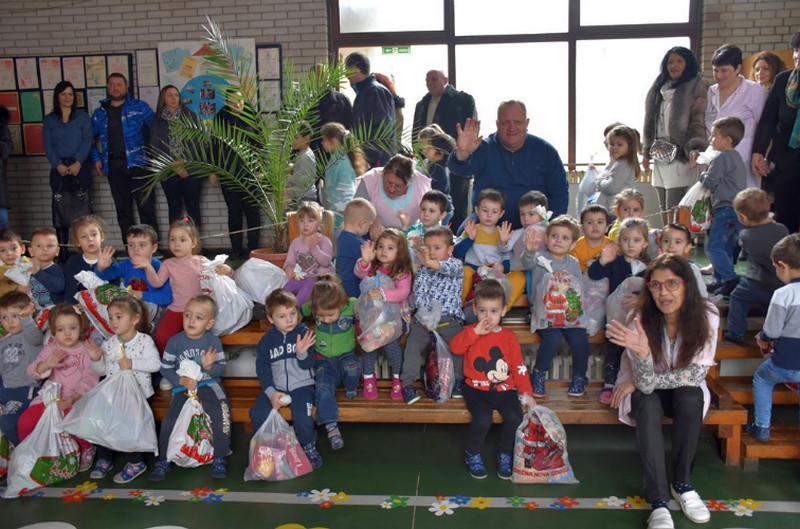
391	50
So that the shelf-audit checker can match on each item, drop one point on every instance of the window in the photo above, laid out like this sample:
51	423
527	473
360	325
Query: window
365	16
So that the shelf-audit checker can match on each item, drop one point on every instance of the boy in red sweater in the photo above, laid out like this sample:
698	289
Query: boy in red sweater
496	378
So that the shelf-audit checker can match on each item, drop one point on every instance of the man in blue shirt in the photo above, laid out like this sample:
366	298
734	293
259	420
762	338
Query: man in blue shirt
512	161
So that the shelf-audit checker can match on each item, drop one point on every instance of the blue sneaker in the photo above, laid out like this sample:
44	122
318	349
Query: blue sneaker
130	472
458	389
734	337
350	394
504	465
335	437
160	471
101	468
537	381
219	470
410	394
578	386
762	434
313	455
476	467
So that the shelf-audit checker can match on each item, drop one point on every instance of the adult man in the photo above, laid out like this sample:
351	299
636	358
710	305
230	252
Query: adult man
447	107
511	160
372	108
123	123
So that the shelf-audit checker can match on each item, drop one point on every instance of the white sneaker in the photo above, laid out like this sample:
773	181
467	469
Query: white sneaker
165	384
692	506
660	519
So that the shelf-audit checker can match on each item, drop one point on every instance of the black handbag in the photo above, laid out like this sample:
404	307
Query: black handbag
70	205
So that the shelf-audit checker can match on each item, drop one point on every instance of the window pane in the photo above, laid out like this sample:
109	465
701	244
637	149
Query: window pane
492	74
510	17
613	77
623	12
366	16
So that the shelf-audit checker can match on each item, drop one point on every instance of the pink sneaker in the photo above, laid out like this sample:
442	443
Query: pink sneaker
370	388
605	395
397	389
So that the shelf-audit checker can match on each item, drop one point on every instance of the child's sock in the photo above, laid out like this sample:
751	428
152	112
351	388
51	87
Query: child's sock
331	426
658	504
681	488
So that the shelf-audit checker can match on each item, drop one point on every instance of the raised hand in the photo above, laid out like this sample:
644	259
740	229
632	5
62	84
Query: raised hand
608	253
305	342
208	358
313	239
505	232
95	353
405	219
469	138
141	262
635	340
367	252
532	240
471	229
105	257
55	360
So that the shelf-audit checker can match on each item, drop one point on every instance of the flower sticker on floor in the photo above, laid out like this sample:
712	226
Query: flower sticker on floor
558	506
714	505
97	491
221	491
154	501
397	501
386	504
637	502
213	498
110	496
612	502
87	486
201	491
515	501
38	495
320	495
340	497
442	507
460	500
742	510
750	503
74	496
326	504
480	503
531	505
568	502
136	492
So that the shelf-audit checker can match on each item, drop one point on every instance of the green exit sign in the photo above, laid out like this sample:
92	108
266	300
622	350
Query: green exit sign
391	50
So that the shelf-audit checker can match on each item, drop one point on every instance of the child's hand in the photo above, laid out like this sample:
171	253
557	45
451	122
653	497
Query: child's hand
424	255
529	402
764	345
27	312
367	252
483	327
608	253
629	302
313	240
223	270
305	342
105	257
498	267
55	360
405	219
208	358
532	240
66	403
26	289
188	383
275	399
95	353
693	159
125	364
505	232
375	293
471	229
289	270
141	262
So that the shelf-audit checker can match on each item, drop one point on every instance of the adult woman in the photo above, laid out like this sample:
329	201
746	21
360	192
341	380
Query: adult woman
733	95
766	66
670	347
674	113
396	186
183	190
67	135
780	123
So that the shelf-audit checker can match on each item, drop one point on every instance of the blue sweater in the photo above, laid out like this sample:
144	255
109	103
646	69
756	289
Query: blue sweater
348	251
68	141
180	347
52	279
279	366
137	277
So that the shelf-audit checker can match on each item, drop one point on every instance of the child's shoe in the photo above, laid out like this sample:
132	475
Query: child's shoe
458	389
313	455
476	467
219	470
537	381
410	394
160	471
101	468
335	437
130	472
350	394
734	337
762	434
578	386
504	465
605	396
165	385
397	389
370	388
87	458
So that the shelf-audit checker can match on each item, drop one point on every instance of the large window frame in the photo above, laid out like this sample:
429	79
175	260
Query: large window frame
576	32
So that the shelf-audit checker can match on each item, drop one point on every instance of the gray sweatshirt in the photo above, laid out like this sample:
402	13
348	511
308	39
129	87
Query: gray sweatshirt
726	176
18	352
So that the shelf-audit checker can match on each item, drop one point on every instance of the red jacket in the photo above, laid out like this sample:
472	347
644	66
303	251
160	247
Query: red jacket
492	362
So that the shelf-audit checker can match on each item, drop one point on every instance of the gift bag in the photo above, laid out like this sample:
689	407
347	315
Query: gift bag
595	295
44	457
378	322
698	199
483	273
275	453
540	449
96	298
5	452
438	376
114	414
587	187
631	285
258	278
558	300
191	443
234	307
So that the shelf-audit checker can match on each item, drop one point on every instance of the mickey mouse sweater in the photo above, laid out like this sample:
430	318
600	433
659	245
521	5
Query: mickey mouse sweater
492	362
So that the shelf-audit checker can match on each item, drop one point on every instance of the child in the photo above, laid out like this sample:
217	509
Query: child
495	379
340	176
358	217
11	249
388	255
66	361
196	344
48	287
436	147
88	233
781	332
284	366
562	233
677	238
726	176
760	281
18	349
335	351
439	278
614	264
131	348
623	166
312	252
302	180
432	211
594	223
629	203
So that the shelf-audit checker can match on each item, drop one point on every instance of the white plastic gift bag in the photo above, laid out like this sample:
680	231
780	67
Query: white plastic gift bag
378	322
96	298
191	443
587	187
234	307
631	285
595	294
438	376
275	452
558	300
258	278
540	449
698	199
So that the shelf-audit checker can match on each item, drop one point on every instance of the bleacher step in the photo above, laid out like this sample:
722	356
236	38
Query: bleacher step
784	443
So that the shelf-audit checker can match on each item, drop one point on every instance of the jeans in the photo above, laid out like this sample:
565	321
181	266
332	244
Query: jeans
182	192
551	340
744	297
330	373
768	376
3	217
722	238
301	406
15	401
239	203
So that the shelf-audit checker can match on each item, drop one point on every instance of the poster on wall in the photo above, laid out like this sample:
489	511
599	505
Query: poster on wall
16	140
93	98
31	103
8	79
95	71
149	94
146	68
74	71
34	144
26	74
49	72
119	64
80	99
10	100
183	65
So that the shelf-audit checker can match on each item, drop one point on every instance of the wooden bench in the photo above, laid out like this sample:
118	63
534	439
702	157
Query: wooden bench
784	443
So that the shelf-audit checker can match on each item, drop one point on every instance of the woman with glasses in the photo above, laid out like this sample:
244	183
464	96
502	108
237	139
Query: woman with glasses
670	346
397	187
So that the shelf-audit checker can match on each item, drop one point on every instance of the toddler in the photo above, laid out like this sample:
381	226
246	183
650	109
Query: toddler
88	234
677	238
11	249
432	211
436	146
358	217
340	176
628	203
594	223
623	166
47	283
532	212
302	184
312	253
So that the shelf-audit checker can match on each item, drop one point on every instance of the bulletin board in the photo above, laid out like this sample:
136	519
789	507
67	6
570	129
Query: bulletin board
269	61
27	83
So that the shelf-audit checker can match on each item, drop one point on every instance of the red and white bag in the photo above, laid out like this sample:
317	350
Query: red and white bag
96	298
191	443
698	199
540	449
275	453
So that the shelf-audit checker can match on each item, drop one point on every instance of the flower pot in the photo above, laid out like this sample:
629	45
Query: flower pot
278	259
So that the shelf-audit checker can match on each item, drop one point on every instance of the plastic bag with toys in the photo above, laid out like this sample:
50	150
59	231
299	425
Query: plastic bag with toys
595	294
438	376
275	452
378	322
258	278
630	286
191	443
234	307
559	300
540	449
483	273
587	187
698	199
96	298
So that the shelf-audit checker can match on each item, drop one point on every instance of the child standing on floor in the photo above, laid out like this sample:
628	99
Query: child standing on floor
196	344
336	361
439	278
496	379
677	238
312	252
614	264
594	223
66	361
629	203
284	366
623	166
782	333
358	217
340	176
562	233
18	349
388	255
130	348
88	234
47	281
436	147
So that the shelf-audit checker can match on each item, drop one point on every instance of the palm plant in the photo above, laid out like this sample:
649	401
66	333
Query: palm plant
257	162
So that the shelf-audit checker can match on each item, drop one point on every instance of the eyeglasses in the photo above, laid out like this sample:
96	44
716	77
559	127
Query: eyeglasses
395	187
671	285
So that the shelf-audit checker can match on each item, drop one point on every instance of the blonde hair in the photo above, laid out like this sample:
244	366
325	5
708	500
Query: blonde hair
89	220
328	294
633	223
310	210
627	194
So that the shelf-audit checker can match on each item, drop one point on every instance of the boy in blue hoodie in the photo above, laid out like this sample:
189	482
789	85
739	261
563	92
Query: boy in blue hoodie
285	369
